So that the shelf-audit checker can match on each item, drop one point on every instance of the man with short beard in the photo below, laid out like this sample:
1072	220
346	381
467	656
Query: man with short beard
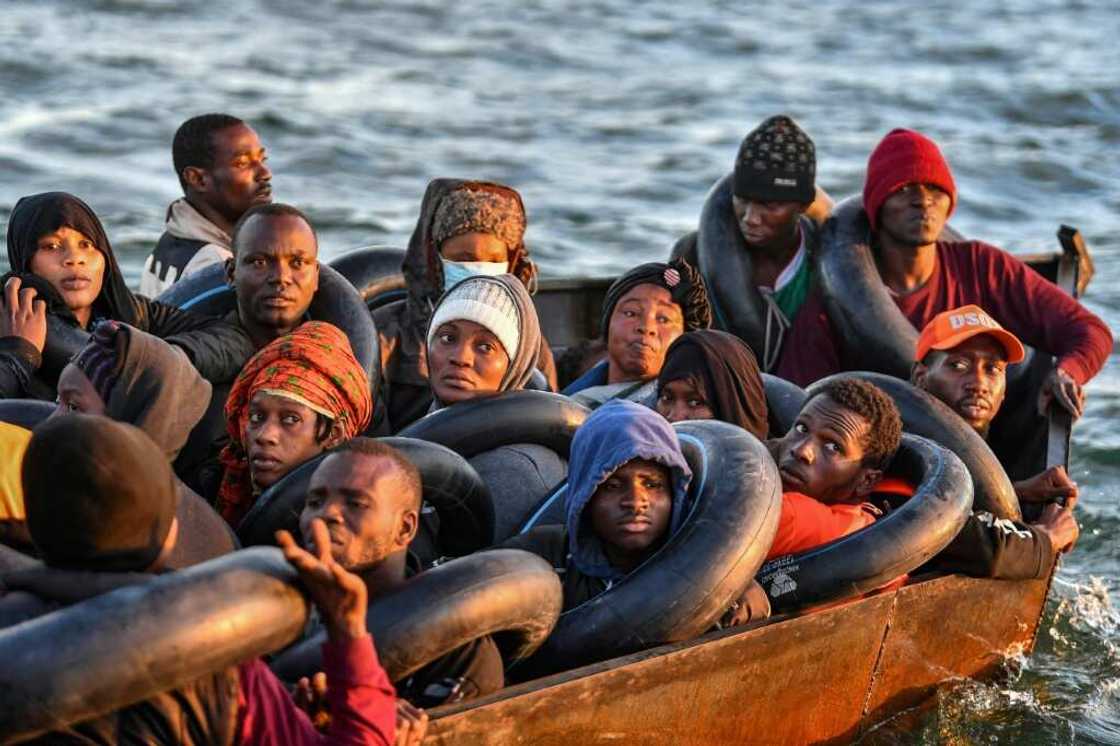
962	359
908	195
368	495
274	272
222	169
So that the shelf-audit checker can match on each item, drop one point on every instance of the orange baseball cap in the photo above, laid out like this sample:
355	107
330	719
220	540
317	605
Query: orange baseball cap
949	328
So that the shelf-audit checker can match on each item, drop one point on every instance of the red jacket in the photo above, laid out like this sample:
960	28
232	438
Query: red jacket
968	272
362	702
806	523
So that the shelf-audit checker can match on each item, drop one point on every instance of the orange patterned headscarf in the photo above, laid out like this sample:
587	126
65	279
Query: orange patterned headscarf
314	366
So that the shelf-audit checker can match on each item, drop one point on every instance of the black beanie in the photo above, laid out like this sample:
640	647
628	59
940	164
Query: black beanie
99	494
777	162
684	284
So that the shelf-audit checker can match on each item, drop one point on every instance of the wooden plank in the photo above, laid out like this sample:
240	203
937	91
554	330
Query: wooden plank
792	681
569	310
951	627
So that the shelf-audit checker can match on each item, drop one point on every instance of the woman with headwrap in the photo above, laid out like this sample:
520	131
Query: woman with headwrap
643	312
713	375
58	248
483	340
465	228
301	394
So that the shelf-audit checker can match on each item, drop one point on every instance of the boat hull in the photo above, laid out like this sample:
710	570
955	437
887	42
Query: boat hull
825	676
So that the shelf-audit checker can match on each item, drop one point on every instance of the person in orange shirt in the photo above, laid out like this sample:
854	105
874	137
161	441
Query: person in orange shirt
831	460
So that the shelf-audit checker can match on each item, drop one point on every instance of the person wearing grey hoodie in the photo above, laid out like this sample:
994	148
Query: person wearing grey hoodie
133	377
627	489
483	340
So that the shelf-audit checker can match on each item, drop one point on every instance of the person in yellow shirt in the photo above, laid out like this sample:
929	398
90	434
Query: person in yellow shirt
13	442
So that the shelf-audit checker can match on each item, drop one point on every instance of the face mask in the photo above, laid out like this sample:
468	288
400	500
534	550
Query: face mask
453	272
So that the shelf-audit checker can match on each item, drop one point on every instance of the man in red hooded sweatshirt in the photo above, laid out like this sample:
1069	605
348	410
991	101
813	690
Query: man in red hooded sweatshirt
908	195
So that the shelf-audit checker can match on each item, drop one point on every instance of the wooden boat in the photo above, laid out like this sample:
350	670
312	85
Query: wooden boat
825	675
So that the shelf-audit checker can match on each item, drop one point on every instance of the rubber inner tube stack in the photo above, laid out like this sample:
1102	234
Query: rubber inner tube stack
728	270
336	302
783	403
511	594
684	588
876	335
518	417
376	273
925	415
464	511
894	545
127	645
539	417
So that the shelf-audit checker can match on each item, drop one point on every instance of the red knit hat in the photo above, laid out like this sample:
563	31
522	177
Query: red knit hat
904	157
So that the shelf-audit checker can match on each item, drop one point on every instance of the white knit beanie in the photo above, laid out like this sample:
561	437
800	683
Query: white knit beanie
485	302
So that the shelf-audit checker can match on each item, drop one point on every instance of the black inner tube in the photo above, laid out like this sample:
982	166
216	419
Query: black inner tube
511	594
537	417
725	264
25	413
460	498
897	543
875	333
124	646
783	403
376	273
336	302
691	581
925	415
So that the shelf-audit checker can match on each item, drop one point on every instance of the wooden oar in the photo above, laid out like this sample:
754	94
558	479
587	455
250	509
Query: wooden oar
1069	266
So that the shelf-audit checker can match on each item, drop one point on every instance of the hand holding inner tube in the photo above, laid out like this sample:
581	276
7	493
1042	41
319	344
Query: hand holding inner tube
340	595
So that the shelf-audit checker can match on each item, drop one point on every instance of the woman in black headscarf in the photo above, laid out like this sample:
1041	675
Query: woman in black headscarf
713	375
58	247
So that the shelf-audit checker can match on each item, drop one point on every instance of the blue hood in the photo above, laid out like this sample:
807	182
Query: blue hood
617	432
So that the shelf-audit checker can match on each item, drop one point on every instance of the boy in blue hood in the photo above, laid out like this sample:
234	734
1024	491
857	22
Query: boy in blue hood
627	484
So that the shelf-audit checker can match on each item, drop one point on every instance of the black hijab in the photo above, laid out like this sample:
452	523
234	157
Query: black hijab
39	214
723	367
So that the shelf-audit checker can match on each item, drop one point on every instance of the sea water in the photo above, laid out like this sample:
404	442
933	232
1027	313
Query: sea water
613	119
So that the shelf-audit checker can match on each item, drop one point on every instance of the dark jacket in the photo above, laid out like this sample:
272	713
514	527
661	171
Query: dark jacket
990	547
551	544
402	326
219	351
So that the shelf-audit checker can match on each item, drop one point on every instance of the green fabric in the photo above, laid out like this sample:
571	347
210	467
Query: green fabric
794	292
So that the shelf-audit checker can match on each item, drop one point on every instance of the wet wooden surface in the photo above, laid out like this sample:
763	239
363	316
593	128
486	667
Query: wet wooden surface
947	628
814	678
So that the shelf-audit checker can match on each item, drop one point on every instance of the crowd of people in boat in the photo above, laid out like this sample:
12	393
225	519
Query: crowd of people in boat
103	490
